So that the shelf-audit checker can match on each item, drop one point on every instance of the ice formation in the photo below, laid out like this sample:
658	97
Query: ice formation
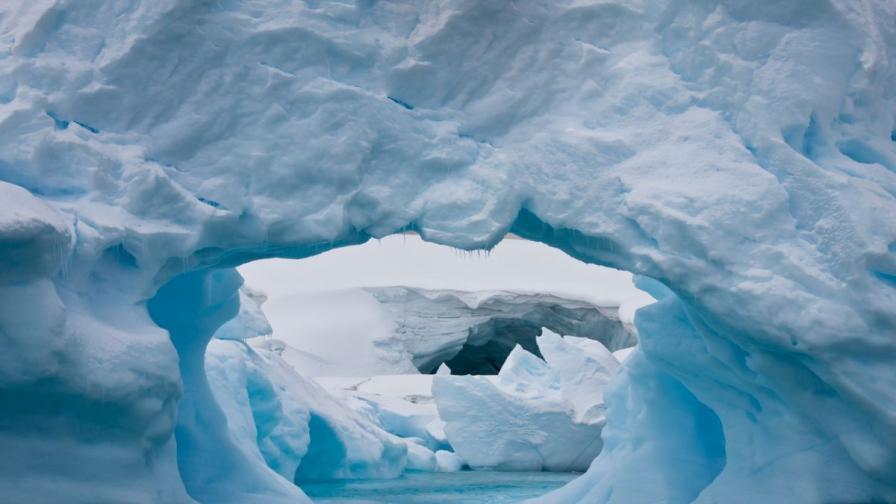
473	332
409	330
535	414
297	427
447	298
403	405
739	153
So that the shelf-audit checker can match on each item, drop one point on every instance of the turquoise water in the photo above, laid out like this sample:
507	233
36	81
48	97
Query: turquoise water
464	487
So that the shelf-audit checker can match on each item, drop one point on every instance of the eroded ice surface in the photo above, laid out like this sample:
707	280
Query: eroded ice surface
740	153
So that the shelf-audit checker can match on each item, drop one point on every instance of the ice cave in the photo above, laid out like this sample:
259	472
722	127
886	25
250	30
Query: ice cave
736	159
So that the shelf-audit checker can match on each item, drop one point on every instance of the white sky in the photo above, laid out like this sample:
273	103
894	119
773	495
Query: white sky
515	264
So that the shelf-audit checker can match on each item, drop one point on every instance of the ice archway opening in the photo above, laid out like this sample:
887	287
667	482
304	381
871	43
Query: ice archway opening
191	306
428	304
738	153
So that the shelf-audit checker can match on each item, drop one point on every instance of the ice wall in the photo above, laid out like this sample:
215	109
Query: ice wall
740	153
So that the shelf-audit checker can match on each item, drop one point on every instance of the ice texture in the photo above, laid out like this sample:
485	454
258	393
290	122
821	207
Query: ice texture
473	332
414	304
408	330
740	154
251	321
535	415
297	427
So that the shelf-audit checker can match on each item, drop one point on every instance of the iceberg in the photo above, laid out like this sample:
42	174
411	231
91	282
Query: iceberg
401	404
407	330
738	156
293	425
473	332
535	415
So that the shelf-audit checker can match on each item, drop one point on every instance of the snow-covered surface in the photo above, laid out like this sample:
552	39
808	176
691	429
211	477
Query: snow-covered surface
534	415
409	330
740	153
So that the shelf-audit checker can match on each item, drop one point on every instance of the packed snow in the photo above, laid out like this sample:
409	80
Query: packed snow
739	157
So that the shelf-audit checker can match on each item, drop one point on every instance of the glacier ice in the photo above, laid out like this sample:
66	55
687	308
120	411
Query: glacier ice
535	414
473	332
401	329
250	321
739	153
403	405
297	427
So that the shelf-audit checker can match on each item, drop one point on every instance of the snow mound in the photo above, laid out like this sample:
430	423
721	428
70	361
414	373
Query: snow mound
536	414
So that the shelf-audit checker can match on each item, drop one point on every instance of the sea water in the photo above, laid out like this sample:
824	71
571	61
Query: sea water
464	487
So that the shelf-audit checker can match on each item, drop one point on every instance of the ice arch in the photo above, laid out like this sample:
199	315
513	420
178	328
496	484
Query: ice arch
740	153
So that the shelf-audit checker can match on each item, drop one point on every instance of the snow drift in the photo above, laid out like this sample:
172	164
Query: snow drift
739	153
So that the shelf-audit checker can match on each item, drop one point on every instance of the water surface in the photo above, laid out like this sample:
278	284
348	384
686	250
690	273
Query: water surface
464	487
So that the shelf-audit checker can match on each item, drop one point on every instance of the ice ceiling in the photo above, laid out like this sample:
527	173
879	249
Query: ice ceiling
740	154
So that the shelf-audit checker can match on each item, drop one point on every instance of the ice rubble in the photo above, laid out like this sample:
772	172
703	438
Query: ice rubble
535	414
740	153
402	405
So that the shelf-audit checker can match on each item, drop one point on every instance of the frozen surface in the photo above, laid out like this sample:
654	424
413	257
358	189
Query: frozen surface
535	414
740	153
